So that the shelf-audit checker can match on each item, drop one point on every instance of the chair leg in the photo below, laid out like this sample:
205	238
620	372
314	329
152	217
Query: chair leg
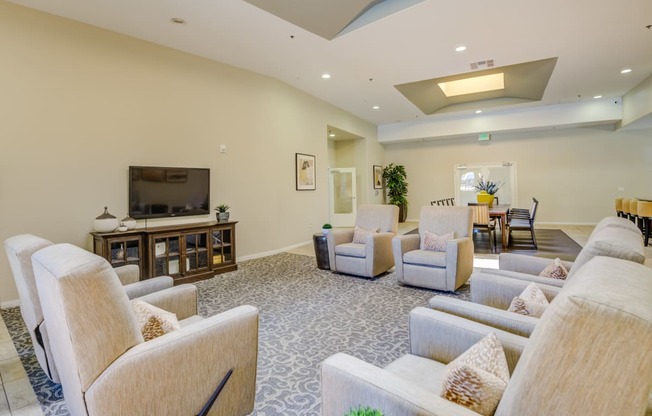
495	246
534	239
648	223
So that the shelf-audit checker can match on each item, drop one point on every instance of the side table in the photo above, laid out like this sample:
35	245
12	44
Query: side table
321	251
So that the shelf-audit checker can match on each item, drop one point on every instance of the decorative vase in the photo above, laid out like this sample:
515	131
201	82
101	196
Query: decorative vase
129	222
222	216
484	197
106	222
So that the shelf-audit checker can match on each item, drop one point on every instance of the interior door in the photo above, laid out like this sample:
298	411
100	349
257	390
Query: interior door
342	196
466	176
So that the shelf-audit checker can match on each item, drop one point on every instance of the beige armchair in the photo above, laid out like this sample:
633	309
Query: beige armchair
612	237
445	270
105	366
374	256
19	250
586	342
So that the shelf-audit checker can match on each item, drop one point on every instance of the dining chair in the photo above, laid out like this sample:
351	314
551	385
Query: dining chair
619	207
523	220
482	222
644	210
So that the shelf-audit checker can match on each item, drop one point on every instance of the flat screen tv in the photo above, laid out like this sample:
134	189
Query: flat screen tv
157	192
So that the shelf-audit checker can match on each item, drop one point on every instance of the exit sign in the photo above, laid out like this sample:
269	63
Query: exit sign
484	136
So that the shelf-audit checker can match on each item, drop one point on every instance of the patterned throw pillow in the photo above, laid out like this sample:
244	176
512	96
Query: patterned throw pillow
360	234
531	302
478	378
556	270
434	242
153	321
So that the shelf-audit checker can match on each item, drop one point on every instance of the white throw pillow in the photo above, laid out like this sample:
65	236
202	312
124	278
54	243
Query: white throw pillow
153	321
360	234
555	270
478	378
434	242
530	302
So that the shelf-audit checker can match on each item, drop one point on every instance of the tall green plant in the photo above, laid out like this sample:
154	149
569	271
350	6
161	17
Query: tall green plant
396	183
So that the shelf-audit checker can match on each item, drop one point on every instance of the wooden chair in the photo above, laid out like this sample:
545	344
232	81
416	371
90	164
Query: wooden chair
482	222
523	220
644	210
619	207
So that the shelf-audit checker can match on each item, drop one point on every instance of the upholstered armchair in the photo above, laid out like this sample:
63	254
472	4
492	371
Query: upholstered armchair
367	249
19	250
442	270
107	368
586	342
612	237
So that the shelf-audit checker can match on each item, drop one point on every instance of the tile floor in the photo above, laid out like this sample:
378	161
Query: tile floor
18	398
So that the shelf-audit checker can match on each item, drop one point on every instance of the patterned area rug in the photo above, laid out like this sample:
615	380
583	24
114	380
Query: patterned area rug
306	315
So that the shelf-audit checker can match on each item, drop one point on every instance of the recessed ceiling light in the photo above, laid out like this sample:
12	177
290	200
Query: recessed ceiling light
597	96
478	111
325	76
460	48
178	21
376	107
626	71
331	135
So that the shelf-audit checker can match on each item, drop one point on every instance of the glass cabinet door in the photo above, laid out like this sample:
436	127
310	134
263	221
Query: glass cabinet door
167	256
196	251
123	251
222	246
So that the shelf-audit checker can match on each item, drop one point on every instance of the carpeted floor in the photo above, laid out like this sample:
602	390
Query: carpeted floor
306	315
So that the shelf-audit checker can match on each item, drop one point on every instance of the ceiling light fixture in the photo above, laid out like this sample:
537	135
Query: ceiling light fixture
478	111
473	85
376	107
331	135
626	71
177	21
460	48
326	76
595	97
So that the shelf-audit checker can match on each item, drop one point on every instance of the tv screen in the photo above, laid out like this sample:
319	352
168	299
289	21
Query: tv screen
156	192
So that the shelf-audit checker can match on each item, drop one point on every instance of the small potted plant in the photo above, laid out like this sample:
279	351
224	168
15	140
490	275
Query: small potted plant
366	411
326	228
487	189
222	212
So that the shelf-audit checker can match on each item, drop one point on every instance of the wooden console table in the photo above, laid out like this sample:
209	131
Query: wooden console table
187	252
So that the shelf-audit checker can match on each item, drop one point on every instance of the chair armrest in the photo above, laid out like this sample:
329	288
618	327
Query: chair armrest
526	264
459	262
348	382
401	244
378	247
147	286
128	274
500	319
498	291
180	300
333	238
443	337
177	372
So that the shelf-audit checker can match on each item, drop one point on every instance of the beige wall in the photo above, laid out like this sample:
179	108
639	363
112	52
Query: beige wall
80	104
575	173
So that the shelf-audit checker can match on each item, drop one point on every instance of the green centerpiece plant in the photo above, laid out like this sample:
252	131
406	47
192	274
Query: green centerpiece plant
222	212
487	189
397	187
366	411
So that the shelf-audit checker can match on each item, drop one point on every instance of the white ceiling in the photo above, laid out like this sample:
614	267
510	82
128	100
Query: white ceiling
593	40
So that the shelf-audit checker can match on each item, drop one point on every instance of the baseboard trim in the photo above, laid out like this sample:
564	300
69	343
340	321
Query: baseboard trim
272	252
9	304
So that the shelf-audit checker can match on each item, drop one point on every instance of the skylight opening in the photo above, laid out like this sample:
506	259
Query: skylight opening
473	85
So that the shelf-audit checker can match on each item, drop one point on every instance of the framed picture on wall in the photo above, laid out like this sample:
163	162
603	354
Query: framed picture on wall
305	172
378	177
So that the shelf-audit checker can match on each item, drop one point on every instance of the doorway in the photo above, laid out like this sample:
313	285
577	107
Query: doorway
342	196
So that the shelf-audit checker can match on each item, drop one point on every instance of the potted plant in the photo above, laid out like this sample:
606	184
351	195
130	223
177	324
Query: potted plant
487	189
397	187
326	228
222	212
367	411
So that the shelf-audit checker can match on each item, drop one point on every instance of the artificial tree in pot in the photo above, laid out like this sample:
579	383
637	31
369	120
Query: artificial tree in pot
397	187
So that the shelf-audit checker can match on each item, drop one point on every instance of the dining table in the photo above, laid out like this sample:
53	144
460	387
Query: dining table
500	212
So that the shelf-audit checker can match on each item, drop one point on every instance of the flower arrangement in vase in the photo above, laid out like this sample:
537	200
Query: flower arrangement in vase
487	188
